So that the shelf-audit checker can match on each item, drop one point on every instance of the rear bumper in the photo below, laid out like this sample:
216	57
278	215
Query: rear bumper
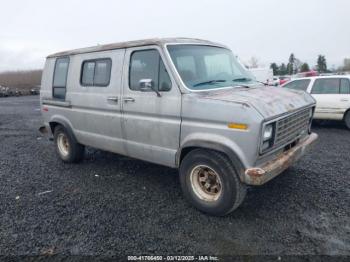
260	175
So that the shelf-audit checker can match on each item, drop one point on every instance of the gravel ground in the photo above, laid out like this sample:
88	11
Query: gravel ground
113	205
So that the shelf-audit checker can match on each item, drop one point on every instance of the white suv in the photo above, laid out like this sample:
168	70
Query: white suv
332	94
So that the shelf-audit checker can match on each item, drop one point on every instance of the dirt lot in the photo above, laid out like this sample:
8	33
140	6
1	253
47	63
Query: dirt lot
113	205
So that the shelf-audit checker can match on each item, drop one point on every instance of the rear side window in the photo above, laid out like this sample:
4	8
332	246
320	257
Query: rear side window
96	72
344	86
298	84
87	77
326	86
60	78
147	64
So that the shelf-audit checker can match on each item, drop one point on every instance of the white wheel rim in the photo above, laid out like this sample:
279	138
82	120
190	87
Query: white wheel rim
206	183
63	144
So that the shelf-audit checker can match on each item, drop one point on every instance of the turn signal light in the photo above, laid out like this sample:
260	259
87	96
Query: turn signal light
238	126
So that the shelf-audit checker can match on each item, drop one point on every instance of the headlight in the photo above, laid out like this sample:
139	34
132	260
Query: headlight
267	137
268	131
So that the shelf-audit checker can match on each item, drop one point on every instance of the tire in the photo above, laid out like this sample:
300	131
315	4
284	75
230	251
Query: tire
67	148
347	119
201	169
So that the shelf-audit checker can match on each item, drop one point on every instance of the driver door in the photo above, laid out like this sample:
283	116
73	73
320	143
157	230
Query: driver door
151	123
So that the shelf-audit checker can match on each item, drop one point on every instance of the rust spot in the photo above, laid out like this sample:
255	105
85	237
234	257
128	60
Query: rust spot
255	172
259	176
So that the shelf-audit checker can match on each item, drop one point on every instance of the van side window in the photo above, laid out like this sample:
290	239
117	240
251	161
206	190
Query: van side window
60	78
96	72
164	78
147	64
88	73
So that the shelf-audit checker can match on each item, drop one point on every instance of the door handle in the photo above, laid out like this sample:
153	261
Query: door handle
129	99
113	98
344	100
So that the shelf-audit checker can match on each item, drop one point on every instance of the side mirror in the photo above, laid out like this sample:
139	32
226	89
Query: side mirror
146	85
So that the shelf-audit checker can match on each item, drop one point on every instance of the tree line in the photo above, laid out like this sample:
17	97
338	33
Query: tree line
295	66
21	79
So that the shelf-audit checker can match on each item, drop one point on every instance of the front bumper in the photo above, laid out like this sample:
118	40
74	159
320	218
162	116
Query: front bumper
260	175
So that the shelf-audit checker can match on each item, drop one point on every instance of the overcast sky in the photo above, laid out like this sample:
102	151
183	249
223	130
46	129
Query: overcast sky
267	29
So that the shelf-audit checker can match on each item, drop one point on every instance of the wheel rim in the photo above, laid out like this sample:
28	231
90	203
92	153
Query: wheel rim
63	144
206	183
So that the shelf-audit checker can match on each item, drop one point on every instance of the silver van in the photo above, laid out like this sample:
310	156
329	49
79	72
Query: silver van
181	103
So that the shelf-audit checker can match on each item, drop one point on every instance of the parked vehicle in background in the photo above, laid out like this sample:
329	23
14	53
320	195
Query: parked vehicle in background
17	92
307	74
264	75
182	103
284	79
332	94
274	82
35	91
4	91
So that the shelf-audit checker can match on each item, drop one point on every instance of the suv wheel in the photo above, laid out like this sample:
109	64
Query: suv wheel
210	183
347	119
66	146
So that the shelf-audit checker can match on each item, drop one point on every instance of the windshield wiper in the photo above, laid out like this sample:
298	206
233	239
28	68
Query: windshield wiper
243	79
210	82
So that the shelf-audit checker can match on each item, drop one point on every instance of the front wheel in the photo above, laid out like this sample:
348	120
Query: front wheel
210	182
347	119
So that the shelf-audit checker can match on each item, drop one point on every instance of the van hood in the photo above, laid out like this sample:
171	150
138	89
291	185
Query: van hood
269	101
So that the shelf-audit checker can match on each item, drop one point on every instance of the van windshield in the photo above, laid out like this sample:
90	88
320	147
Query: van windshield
204	67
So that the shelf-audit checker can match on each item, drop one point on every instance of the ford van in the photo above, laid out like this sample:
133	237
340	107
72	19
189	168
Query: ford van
178	102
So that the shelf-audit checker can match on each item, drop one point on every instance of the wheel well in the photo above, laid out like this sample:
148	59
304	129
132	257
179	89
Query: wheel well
346	112
186	150
53	126
233	158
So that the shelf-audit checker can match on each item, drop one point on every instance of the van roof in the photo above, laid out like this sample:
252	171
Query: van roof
144	42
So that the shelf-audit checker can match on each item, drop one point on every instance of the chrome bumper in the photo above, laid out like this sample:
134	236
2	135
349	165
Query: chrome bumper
260	175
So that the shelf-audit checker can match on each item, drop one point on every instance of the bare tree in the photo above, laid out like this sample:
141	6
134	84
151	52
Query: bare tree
253	62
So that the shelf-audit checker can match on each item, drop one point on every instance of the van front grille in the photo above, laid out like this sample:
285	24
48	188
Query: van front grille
291	127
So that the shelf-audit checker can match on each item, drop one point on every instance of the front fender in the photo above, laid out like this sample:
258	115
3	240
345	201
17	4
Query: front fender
217	143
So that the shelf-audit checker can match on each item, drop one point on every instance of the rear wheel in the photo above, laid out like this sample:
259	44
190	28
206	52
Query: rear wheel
347	119
67	148
210	183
